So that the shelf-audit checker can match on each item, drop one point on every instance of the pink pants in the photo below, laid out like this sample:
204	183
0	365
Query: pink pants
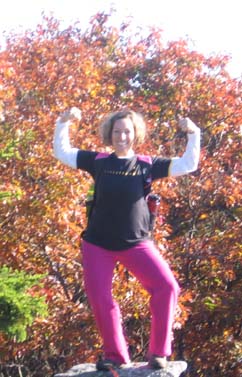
147	265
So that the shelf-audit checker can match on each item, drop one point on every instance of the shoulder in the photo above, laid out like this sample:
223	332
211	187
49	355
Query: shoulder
101	156
144	159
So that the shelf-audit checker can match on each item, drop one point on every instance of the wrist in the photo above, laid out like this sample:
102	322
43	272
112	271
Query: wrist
193	129
61	123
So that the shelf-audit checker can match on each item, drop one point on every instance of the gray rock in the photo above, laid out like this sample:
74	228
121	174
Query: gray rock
173	369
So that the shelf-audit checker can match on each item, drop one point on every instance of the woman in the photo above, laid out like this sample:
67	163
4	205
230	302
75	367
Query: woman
118	229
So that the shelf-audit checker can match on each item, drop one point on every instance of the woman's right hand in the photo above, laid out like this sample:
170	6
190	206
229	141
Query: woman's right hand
70	115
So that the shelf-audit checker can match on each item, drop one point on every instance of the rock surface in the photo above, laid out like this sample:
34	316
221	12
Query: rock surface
173	369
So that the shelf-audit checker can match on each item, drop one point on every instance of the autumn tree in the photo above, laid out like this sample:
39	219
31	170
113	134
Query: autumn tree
101	69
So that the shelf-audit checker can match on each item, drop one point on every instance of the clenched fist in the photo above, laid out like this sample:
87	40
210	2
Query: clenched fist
70	115
186	125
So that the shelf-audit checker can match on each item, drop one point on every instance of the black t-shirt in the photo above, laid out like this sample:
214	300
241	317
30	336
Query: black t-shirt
120	217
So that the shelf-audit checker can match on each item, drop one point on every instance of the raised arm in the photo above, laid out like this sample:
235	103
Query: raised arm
188	162
61	145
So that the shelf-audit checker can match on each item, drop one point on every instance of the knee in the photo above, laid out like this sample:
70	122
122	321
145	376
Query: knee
169	288
173	287
176	288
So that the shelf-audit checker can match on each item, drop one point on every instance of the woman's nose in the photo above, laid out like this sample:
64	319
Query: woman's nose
122	136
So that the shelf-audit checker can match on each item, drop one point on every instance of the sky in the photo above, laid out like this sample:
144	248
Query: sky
212	26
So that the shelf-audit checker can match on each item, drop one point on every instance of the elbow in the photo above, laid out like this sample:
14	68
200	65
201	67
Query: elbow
56	153
180	167
67	157
192	167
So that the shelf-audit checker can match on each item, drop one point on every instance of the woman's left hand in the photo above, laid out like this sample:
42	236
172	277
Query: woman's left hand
186	125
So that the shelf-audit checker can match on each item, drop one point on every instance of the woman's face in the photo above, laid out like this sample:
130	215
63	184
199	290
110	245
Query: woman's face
123	136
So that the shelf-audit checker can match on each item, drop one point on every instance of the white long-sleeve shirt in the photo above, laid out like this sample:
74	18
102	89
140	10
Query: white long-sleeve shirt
185	164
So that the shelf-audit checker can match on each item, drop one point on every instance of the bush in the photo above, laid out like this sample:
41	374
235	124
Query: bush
18	305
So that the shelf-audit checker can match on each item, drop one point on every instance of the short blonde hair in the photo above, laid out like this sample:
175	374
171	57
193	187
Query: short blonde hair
106	126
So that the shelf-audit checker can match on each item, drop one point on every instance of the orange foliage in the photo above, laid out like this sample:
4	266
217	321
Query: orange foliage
48	70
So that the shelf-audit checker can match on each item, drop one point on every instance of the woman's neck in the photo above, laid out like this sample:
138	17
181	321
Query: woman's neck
129	154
